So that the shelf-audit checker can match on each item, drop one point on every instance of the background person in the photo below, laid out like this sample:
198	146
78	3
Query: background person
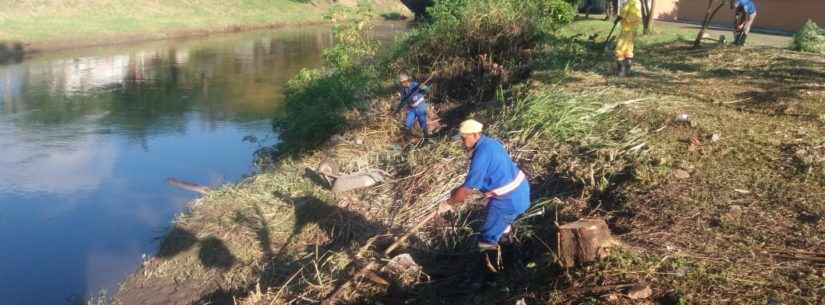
747	10
412	99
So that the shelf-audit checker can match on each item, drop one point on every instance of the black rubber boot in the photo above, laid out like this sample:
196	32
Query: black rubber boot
628	63
620	70
743	39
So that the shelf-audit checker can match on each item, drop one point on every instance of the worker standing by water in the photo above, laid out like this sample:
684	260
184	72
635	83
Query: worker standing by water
747	10
496	175
630	16
412	99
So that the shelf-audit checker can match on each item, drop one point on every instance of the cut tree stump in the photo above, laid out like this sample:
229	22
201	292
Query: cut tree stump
583	241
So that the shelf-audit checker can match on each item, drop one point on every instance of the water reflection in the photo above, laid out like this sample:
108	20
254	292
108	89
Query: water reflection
87	139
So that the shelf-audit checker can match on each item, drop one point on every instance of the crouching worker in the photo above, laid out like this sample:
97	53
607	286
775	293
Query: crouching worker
745	15
494	174
412	99
630	16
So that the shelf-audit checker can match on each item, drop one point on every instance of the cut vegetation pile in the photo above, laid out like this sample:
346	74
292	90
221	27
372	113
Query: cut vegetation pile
708	164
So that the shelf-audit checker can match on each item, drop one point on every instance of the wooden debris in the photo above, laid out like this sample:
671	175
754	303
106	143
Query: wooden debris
584	241
639	291
189	186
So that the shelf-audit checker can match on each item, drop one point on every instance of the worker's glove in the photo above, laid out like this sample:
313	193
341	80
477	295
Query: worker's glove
459	195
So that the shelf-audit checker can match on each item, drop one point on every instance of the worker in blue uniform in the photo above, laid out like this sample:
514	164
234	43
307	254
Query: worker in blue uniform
746	14
413	100
496	175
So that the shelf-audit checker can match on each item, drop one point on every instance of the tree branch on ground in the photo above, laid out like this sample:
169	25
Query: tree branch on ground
711	12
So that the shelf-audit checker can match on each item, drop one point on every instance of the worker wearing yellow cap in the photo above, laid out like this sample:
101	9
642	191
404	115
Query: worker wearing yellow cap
496	175
631	17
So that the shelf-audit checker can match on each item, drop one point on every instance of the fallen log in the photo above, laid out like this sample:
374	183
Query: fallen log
188	186
583	241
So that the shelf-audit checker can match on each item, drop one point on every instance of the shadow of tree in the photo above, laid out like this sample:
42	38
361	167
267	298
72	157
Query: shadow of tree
212	251
11	52
339	230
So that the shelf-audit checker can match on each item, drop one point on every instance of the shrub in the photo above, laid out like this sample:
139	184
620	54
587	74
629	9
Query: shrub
810	38
316	99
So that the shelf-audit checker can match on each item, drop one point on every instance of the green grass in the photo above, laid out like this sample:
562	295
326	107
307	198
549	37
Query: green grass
60	22
664	32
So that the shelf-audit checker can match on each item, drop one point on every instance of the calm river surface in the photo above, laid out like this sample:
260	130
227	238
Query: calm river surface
88	138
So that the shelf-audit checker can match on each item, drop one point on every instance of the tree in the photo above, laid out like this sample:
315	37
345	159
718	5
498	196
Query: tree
648	8
711	12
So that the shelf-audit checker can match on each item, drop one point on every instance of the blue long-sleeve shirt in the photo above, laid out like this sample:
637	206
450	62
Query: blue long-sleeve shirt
416	98
491	167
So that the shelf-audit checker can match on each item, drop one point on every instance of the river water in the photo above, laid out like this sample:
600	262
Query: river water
88	138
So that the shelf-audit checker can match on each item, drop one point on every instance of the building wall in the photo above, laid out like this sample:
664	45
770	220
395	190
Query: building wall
787	15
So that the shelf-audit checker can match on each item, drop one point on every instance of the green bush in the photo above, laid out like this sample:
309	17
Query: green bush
316	99
810	38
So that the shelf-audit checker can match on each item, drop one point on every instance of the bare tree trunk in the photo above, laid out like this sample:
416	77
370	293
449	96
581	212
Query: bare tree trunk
708	17
611	9
645	16
650	16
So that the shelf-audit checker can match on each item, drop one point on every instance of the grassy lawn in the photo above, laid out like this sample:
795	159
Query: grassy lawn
670	31
45	23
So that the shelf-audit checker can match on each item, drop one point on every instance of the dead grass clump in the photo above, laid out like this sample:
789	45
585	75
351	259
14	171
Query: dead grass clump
475	46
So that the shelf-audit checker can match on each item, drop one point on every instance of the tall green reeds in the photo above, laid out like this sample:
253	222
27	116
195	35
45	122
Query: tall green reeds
554	114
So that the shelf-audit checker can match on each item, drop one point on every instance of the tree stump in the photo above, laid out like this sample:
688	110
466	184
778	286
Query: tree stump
583	241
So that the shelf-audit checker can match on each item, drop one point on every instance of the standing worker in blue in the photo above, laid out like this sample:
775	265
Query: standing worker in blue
412	99
496	175
746	14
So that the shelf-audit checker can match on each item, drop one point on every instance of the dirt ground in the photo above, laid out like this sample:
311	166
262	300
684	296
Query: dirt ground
726	205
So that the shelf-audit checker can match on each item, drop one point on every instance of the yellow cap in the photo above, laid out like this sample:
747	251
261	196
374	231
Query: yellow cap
470	126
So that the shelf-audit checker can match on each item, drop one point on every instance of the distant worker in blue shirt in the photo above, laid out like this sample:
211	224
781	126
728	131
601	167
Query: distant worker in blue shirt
412	99
745	15
496	175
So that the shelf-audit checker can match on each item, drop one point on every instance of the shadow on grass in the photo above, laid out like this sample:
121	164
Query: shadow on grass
339	231
212	251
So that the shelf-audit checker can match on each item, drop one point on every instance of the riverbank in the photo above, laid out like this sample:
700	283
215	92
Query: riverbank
36	26
721	207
